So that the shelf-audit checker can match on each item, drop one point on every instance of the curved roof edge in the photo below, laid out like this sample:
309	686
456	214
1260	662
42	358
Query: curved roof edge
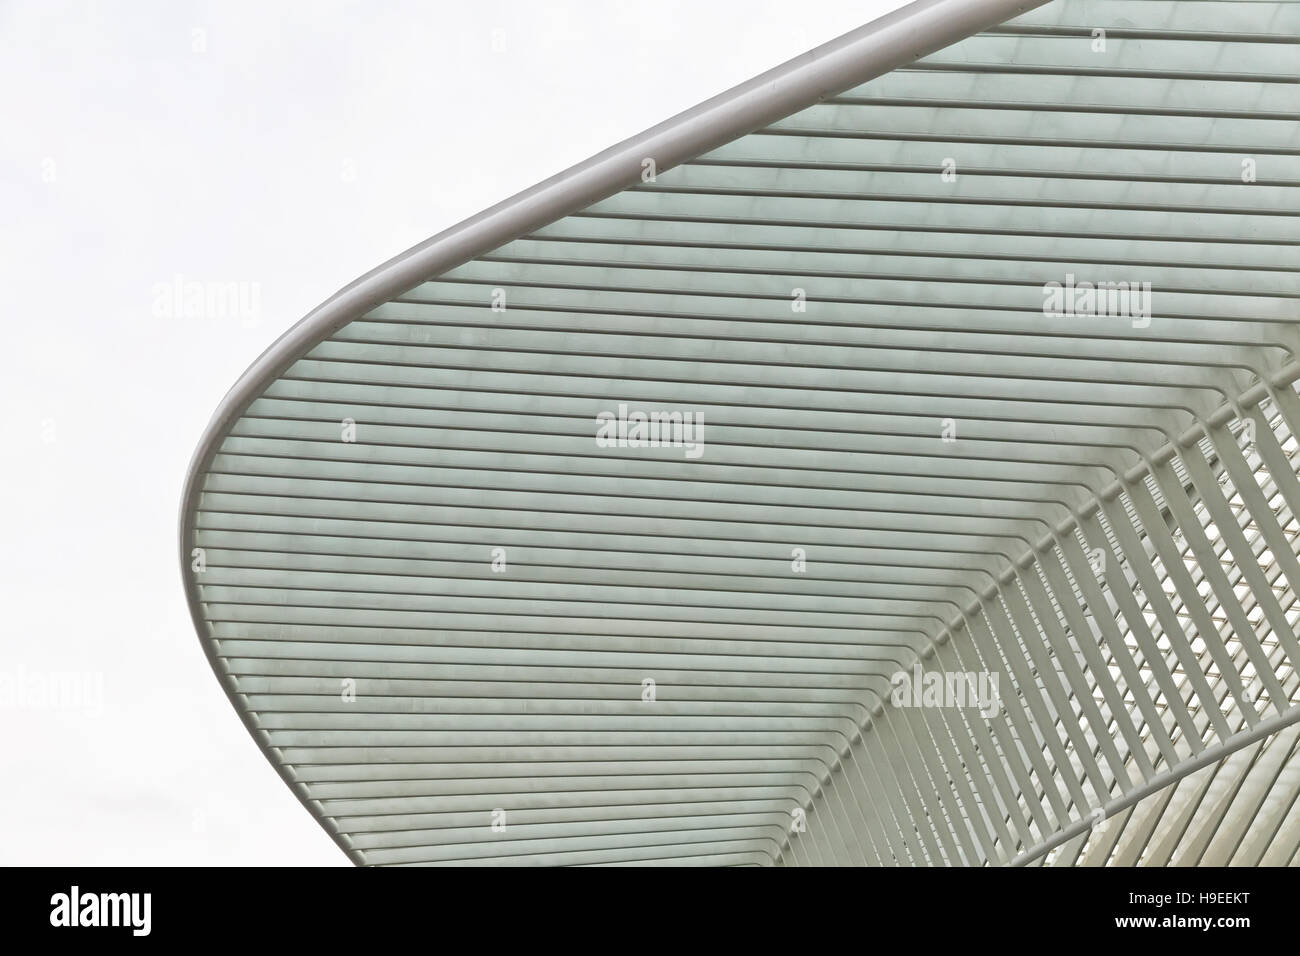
1210	755
884	44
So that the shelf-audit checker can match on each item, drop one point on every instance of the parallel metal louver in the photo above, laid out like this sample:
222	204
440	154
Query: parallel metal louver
436	597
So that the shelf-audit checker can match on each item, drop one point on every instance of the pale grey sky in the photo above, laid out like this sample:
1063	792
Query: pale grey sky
290	147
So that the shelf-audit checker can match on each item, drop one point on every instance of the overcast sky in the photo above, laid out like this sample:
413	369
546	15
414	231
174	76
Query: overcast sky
290	147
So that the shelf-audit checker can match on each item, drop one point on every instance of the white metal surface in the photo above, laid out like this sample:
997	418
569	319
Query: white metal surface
439	624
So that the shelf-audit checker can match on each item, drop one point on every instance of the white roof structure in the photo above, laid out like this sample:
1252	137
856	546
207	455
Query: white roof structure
889	461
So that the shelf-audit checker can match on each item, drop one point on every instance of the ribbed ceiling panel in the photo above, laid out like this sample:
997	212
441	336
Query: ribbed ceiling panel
434	596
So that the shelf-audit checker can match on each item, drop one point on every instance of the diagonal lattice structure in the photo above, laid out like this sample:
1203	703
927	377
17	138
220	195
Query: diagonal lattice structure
966	529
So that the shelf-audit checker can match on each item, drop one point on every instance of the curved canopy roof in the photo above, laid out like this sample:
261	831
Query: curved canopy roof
974	338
